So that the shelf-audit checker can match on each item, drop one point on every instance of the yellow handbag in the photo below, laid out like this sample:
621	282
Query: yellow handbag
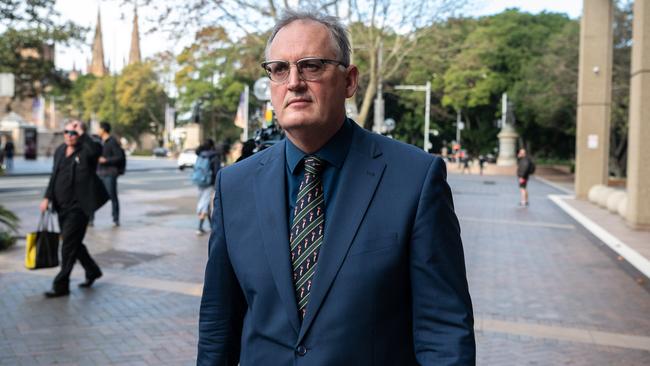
42	247
30	251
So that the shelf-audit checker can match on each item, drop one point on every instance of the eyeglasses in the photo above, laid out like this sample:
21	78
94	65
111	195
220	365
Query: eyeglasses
309	69
71	132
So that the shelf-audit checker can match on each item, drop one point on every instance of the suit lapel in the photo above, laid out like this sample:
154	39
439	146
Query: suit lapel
271	198
358	181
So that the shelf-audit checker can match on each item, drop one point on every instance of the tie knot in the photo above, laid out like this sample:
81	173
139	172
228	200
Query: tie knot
313	164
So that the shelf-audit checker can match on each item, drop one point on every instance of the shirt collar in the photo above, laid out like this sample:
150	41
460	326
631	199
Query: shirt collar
333	152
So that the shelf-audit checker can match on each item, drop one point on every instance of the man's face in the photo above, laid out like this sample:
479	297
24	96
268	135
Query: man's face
309	104
70	135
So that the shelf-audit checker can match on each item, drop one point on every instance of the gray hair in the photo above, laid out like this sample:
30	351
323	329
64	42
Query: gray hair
338	32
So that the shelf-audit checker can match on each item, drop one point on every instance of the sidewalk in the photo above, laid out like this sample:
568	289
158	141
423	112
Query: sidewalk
544	290
629	244
43	165
143	311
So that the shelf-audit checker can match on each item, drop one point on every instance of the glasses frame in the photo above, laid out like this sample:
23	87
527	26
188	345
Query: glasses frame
324	61
71	132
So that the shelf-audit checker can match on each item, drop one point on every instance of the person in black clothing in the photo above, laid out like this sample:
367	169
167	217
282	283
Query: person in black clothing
109	167
247	149
9	150
525	167
75	192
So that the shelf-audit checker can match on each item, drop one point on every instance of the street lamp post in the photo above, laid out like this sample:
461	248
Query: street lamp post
427	108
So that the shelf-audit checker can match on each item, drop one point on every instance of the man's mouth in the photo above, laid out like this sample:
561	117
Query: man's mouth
300	100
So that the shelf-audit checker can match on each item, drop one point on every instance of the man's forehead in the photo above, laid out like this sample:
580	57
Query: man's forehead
302	31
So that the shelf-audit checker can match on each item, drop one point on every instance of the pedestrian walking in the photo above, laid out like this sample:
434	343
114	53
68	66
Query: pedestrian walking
208	163
327	249
9	150
525	167
466	162
247	149
74	192
111	165
481	163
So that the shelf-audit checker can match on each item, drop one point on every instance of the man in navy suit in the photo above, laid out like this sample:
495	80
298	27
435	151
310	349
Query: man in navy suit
335	246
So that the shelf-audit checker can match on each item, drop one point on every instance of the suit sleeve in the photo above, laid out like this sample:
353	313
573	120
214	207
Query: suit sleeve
443	321
90	150
222	304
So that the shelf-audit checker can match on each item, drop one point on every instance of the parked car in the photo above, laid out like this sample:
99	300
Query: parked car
160	152
186	159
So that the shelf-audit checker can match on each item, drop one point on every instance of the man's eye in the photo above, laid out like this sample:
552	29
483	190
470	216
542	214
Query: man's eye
311	65
278	69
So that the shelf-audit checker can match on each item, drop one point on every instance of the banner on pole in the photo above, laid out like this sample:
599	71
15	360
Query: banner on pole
240	118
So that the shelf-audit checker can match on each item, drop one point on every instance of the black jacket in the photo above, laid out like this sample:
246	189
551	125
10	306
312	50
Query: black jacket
524	167
114	155
88	188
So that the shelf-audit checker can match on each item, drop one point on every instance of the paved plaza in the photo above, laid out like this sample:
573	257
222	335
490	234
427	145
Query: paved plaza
545	290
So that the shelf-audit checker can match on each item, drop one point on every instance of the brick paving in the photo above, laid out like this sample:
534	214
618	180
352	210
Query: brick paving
531	266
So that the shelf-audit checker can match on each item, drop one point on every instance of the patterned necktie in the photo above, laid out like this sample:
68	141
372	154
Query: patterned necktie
307	230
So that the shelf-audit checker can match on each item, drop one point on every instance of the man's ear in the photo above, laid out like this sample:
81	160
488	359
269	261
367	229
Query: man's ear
351	81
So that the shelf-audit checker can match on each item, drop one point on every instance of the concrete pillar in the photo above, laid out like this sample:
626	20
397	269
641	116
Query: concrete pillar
594	95
638	153
507	146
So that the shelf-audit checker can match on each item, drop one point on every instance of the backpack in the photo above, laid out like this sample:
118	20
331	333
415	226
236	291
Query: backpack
531	168
202	175
121	165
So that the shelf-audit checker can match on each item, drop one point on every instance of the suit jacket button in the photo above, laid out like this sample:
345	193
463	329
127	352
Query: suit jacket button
301	350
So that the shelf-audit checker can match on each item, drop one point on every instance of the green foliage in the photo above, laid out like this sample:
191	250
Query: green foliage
546	95
32	27
495	53
623	15
140	101
9	219
212	74
6	240
133	101
32	74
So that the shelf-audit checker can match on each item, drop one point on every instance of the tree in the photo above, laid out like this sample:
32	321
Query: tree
396	27
30	29
134	101
428	63
623	15
140	100
212	74
495	57
546	96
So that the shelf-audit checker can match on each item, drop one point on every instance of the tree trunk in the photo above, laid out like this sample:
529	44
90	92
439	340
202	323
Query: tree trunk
368	96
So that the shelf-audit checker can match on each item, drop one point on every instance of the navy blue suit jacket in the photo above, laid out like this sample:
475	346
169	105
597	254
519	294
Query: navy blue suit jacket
390	285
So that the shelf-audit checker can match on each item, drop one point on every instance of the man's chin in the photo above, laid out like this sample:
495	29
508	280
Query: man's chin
296	123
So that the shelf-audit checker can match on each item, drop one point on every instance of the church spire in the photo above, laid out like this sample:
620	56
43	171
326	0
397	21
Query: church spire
97	66
134	54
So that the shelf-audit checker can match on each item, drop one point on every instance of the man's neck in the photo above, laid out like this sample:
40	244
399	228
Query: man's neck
310	141
105	136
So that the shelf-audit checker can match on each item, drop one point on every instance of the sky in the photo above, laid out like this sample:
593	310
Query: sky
117	25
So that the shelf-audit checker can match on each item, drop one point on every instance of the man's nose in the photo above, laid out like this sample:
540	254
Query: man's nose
294	81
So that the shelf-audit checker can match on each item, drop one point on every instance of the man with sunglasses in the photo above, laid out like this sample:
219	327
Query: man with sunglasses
349	251
75	192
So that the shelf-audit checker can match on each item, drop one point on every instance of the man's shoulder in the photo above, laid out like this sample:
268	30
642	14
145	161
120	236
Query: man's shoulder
113	141
391	149
248	166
